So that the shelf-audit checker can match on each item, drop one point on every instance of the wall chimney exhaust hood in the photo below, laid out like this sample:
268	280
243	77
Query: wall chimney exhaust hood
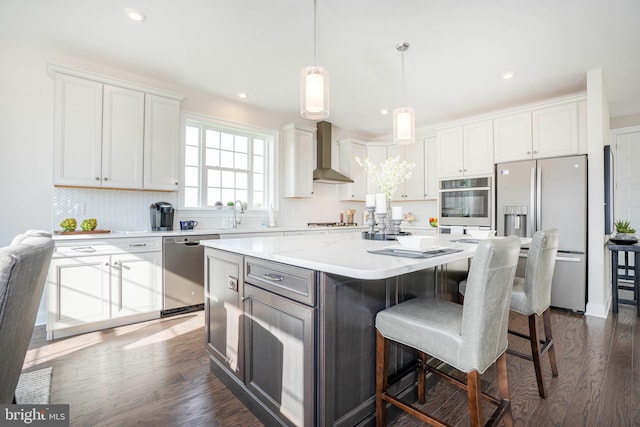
323	172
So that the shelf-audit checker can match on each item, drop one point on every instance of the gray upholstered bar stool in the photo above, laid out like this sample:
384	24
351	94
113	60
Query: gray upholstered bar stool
532	297
469	338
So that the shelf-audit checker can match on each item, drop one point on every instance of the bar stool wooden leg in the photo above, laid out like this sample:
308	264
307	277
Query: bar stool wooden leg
535	353
503	388
422	372
473	393
546	318
382	353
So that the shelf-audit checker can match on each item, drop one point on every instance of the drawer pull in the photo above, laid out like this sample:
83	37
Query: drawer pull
137	244
84	249
274	277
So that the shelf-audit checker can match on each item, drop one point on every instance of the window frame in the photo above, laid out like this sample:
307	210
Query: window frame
204	122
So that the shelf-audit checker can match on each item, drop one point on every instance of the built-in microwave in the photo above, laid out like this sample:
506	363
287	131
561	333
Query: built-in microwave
466	202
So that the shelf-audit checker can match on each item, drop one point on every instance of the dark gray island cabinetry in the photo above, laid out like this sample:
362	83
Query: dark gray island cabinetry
295	340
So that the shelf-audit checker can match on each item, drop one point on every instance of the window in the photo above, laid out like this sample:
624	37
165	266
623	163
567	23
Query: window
224	163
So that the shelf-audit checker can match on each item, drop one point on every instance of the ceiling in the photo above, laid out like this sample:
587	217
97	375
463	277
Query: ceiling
459	50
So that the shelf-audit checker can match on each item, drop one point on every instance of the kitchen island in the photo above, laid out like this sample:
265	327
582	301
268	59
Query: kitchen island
290	321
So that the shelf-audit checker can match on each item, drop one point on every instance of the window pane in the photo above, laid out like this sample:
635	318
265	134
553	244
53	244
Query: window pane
258	147
191	176
258	181
213	157
228	179
213	196
242	144
241	161
228	196
226	141
213	178
191	197
213	139
241	195
241	181
258	164
192	136
226	159
258	199
191	156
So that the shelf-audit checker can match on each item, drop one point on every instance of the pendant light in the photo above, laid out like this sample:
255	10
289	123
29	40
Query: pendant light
314	83
404	128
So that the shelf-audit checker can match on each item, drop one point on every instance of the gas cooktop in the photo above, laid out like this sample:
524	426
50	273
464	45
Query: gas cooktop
330	224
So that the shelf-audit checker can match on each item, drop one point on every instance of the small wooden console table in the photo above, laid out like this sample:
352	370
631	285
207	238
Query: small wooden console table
630	273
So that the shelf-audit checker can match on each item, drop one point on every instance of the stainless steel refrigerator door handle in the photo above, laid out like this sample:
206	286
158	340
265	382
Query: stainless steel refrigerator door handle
539	200
531	225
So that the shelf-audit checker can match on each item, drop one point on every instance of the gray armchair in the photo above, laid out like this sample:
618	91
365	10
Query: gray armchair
23	272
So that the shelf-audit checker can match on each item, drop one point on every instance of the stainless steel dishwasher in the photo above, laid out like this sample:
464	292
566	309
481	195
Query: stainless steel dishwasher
183	275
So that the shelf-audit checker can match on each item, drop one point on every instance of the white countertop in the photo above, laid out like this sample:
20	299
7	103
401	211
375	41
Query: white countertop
230	231
344	254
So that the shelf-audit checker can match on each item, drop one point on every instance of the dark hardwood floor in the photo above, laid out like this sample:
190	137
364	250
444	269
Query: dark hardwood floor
157	373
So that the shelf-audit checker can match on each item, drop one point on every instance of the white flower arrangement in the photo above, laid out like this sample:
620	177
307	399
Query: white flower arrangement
389	174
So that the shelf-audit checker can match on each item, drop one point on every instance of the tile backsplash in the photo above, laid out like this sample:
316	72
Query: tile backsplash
128	210
113	209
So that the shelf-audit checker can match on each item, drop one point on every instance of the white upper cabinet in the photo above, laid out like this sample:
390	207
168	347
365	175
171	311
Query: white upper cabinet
555	131
377	154
430	170
543	132
122	137
77	132
465	150
161	131
349	150
113	134
412	188
512	137
298	145
478	148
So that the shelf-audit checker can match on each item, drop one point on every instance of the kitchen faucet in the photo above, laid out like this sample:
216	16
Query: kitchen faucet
236	220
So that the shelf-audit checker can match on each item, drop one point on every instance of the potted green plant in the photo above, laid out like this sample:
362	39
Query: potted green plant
624	232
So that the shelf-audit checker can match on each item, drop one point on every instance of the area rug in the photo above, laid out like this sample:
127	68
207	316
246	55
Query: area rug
34	387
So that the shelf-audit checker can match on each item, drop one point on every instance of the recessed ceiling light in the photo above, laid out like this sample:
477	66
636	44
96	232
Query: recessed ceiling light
508	75
384	111
243	95
134	15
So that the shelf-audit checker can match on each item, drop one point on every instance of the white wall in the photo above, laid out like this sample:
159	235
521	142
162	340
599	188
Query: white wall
599	293
26	143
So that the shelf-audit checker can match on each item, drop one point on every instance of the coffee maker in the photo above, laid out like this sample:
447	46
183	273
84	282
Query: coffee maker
161	216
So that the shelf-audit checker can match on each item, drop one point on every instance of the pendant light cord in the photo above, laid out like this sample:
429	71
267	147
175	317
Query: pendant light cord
404	99
315	32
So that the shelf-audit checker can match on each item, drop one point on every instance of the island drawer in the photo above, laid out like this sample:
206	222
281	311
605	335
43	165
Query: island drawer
292	282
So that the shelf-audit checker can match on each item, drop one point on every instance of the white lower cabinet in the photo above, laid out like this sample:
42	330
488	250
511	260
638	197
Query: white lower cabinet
96	285
134	283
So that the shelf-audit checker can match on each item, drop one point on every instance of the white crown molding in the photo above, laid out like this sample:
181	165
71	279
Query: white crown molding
101	78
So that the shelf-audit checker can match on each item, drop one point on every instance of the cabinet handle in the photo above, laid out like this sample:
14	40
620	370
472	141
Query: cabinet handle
535	152
459	170
232	283
176	183
274	277
97	178
528	152
106	264
133	245
105	179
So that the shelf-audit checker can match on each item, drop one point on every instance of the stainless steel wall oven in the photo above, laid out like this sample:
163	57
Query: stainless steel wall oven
466	202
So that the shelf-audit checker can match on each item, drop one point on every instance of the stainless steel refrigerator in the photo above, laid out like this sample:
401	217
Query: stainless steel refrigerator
542	194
